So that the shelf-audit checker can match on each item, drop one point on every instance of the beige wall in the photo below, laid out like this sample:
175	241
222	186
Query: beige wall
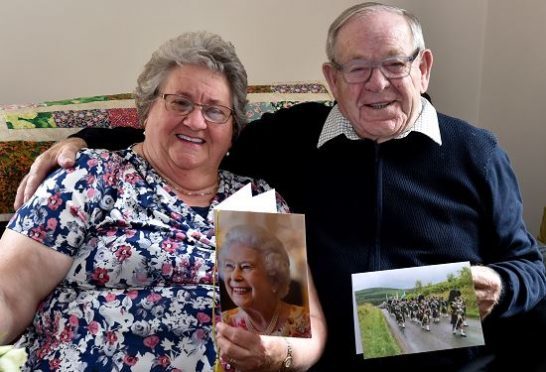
78	47
513	94
489	56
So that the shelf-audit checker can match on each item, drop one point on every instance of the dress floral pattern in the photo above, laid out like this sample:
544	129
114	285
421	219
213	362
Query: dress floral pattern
141	291
297	324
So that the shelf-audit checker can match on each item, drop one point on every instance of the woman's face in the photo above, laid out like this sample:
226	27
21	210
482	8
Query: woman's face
246	279
176	142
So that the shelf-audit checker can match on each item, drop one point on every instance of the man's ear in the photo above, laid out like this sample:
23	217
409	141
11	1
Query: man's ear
331	76
425	66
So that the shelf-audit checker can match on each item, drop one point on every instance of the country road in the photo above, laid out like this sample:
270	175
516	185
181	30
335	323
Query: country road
414	339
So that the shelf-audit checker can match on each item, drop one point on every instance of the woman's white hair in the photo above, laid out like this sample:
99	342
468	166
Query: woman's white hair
194	48
271	249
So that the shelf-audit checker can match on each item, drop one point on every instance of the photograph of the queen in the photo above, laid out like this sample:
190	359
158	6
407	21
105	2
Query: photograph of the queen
259	292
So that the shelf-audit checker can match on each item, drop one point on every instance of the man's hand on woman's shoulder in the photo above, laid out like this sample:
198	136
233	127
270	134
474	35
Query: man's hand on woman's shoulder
61	154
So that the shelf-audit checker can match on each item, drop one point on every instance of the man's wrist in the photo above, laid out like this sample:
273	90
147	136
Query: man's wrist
76	136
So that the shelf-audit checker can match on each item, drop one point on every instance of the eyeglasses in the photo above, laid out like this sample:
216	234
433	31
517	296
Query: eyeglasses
360	70
216	114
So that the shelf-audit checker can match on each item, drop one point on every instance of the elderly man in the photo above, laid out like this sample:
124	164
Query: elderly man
385	182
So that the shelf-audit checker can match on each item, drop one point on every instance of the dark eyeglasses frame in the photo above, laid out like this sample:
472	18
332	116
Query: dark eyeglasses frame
354	78
204	108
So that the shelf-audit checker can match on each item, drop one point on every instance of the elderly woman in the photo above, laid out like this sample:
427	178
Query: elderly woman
255	269
110	264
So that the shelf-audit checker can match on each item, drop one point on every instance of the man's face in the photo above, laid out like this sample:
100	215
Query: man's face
378	108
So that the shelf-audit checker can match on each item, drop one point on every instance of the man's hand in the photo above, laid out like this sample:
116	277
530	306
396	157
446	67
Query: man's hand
62	154
488	285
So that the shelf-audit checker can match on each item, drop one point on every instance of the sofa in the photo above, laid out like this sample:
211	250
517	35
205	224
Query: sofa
26	130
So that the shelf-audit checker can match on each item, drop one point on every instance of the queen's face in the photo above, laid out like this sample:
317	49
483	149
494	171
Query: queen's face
176	142
246	279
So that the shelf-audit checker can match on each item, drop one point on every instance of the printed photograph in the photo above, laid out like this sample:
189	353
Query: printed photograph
262	266
415	310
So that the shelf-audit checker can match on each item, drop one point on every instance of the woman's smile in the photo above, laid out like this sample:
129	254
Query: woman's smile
190	139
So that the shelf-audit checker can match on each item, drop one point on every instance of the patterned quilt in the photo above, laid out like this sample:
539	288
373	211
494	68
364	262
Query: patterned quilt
26	130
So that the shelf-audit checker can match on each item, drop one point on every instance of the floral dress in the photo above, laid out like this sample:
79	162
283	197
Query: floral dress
140	293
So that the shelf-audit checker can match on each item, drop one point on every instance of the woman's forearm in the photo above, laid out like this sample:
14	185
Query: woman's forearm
28	273
12	323
5	319
305	352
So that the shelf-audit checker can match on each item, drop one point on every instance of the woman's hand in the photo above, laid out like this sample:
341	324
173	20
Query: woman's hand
61	154
246	351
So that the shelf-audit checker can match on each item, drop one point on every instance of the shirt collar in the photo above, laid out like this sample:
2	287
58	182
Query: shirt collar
336	124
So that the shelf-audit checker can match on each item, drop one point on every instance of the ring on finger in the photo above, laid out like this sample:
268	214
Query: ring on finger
231	363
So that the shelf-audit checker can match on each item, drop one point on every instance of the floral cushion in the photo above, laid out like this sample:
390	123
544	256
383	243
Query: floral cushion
26	130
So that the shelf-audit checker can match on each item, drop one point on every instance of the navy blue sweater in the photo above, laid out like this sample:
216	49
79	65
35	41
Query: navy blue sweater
402	203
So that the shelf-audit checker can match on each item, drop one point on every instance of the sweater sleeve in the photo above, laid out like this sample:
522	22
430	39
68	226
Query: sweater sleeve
521	266
111	139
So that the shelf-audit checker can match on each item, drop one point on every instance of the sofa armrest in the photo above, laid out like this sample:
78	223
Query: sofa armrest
542	232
